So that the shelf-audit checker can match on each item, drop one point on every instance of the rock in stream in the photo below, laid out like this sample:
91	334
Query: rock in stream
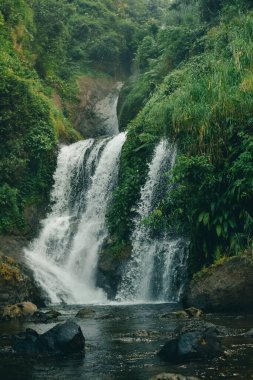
66	338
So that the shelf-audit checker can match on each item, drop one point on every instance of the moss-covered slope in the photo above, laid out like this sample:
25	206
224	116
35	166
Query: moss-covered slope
194	86
45	47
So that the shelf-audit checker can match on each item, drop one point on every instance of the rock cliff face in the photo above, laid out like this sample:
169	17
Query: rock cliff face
16	283
12	245
96	106
110	268
224	287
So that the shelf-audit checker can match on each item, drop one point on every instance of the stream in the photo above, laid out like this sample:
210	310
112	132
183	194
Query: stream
122	343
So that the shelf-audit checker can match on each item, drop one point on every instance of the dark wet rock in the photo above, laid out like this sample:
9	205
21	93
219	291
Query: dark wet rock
52	313
66	338
19	310
45	317
12	246
178	314
111	267
227	286
249	334
63	338
173	376
202	326
86	312
90	119
192	345
191	312
26	342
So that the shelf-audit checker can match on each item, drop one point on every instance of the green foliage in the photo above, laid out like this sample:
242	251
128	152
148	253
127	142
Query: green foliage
86	33
9	212
201	98
134	160
45	46
28	139
52	34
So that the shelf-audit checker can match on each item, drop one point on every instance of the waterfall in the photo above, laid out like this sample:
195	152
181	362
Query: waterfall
157	266
64	256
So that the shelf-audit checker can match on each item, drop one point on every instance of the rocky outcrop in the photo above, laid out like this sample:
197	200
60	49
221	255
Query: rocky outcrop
16	284
66	338
12	246
227	286
110	267
192	345
95	100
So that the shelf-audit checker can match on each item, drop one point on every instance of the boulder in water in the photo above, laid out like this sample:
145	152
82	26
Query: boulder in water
173	376
192	345
66	338
19	310
191	312
86	312
178	314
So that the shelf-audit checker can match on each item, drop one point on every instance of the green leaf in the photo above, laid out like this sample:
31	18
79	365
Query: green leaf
201	216
206	218
218	230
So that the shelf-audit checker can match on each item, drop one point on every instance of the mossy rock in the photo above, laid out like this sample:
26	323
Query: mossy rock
227	286
17	284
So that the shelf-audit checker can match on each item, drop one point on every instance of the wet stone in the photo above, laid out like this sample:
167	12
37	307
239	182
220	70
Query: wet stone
66	338
85	313
45	317
192	345
249	334
191	312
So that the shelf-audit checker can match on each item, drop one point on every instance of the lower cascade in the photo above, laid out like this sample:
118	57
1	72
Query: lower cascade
64	256
157	267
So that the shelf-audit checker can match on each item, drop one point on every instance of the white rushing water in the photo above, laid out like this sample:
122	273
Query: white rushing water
64	256
157	265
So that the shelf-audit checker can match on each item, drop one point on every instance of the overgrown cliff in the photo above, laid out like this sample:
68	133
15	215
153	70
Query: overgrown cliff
46	48
193	84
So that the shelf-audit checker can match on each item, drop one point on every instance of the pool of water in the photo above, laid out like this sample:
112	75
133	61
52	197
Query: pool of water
122	342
